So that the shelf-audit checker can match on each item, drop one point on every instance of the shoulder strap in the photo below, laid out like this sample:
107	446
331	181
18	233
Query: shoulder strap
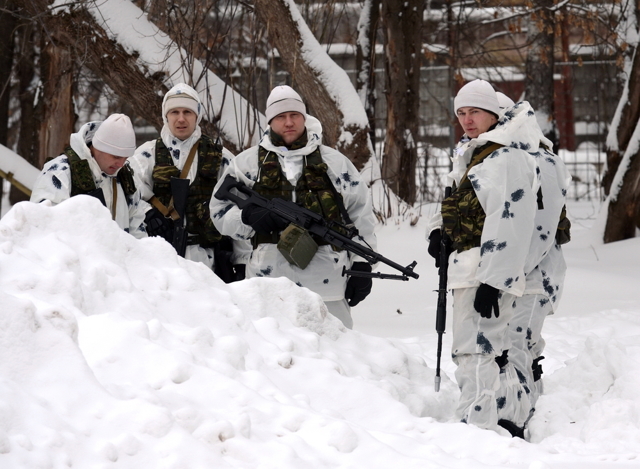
170	211
189	162
477	159
114	190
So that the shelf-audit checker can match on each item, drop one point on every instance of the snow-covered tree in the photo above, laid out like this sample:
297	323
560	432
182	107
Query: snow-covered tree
623	140
322	83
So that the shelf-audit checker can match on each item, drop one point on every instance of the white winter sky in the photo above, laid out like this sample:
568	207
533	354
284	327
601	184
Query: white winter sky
116	353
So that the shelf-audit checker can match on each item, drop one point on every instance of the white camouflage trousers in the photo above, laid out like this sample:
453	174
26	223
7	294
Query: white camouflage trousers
527	344
487	392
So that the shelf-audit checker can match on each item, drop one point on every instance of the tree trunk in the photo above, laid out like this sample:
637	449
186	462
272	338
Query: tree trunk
623	216
7	28
402	25
539	68
58	119
29	109
622	178
286	37
627	123
366	61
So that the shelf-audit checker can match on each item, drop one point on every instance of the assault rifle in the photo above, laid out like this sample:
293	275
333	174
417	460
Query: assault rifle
180	193
314	224
441	310
98	194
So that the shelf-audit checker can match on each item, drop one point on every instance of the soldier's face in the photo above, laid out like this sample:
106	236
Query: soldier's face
109	164
475	121
289	125
182	122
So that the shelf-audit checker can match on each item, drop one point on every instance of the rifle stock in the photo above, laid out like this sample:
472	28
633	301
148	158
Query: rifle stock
441	311
180	193
314	224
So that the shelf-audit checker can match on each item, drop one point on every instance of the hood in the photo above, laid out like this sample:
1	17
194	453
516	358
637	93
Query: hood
516	128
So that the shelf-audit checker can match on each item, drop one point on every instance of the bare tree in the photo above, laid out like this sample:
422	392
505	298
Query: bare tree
365	60
30	110
7	25
58	117
539	66
622	179
402	24
320	81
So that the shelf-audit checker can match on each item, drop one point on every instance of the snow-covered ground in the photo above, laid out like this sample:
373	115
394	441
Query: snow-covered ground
115	353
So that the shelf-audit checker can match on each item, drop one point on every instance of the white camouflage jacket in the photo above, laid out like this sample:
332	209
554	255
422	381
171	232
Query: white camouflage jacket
506	184
324	274
54	183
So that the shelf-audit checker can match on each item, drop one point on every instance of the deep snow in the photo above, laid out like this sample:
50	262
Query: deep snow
116	353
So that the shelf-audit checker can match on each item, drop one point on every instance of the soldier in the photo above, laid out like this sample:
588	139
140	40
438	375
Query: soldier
183	151
291	163
490	219
94	164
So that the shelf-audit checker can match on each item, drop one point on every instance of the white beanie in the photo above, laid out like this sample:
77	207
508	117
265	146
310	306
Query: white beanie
284	99
503	100
115	136
479	94
181	100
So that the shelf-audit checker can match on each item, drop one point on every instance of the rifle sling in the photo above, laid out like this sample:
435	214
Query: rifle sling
114	187
479	158
171	211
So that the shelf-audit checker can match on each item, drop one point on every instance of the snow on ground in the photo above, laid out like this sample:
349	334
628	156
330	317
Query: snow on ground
118	354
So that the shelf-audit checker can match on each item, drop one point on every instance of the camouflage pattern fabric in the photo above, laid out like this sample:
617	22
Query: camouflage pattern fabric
462	214
199	223
82	181
312	189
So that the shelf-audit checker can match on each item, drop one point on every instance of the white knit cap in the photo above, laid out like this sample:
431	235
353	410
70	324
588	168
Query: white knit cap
284	99
181	100
115	136
503	100
479	94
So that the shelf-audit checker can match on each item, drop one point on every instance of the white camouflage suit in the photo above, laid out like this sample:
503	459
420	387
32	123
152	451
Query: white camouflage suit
54	183
323	275
545	266
144	160
506	184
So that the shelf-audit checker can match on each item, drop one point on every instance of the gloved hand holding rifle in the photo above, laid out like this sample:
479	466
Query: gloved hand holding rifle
313	223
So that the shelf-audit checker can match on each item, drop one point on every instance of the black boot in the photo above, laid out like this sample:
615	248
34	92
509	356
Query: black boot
512	428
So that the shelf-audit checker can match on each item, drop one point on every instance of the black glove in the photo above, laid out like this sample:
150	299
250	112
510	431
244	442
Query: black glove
262	220
358	287
487	300
158	225
435	246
